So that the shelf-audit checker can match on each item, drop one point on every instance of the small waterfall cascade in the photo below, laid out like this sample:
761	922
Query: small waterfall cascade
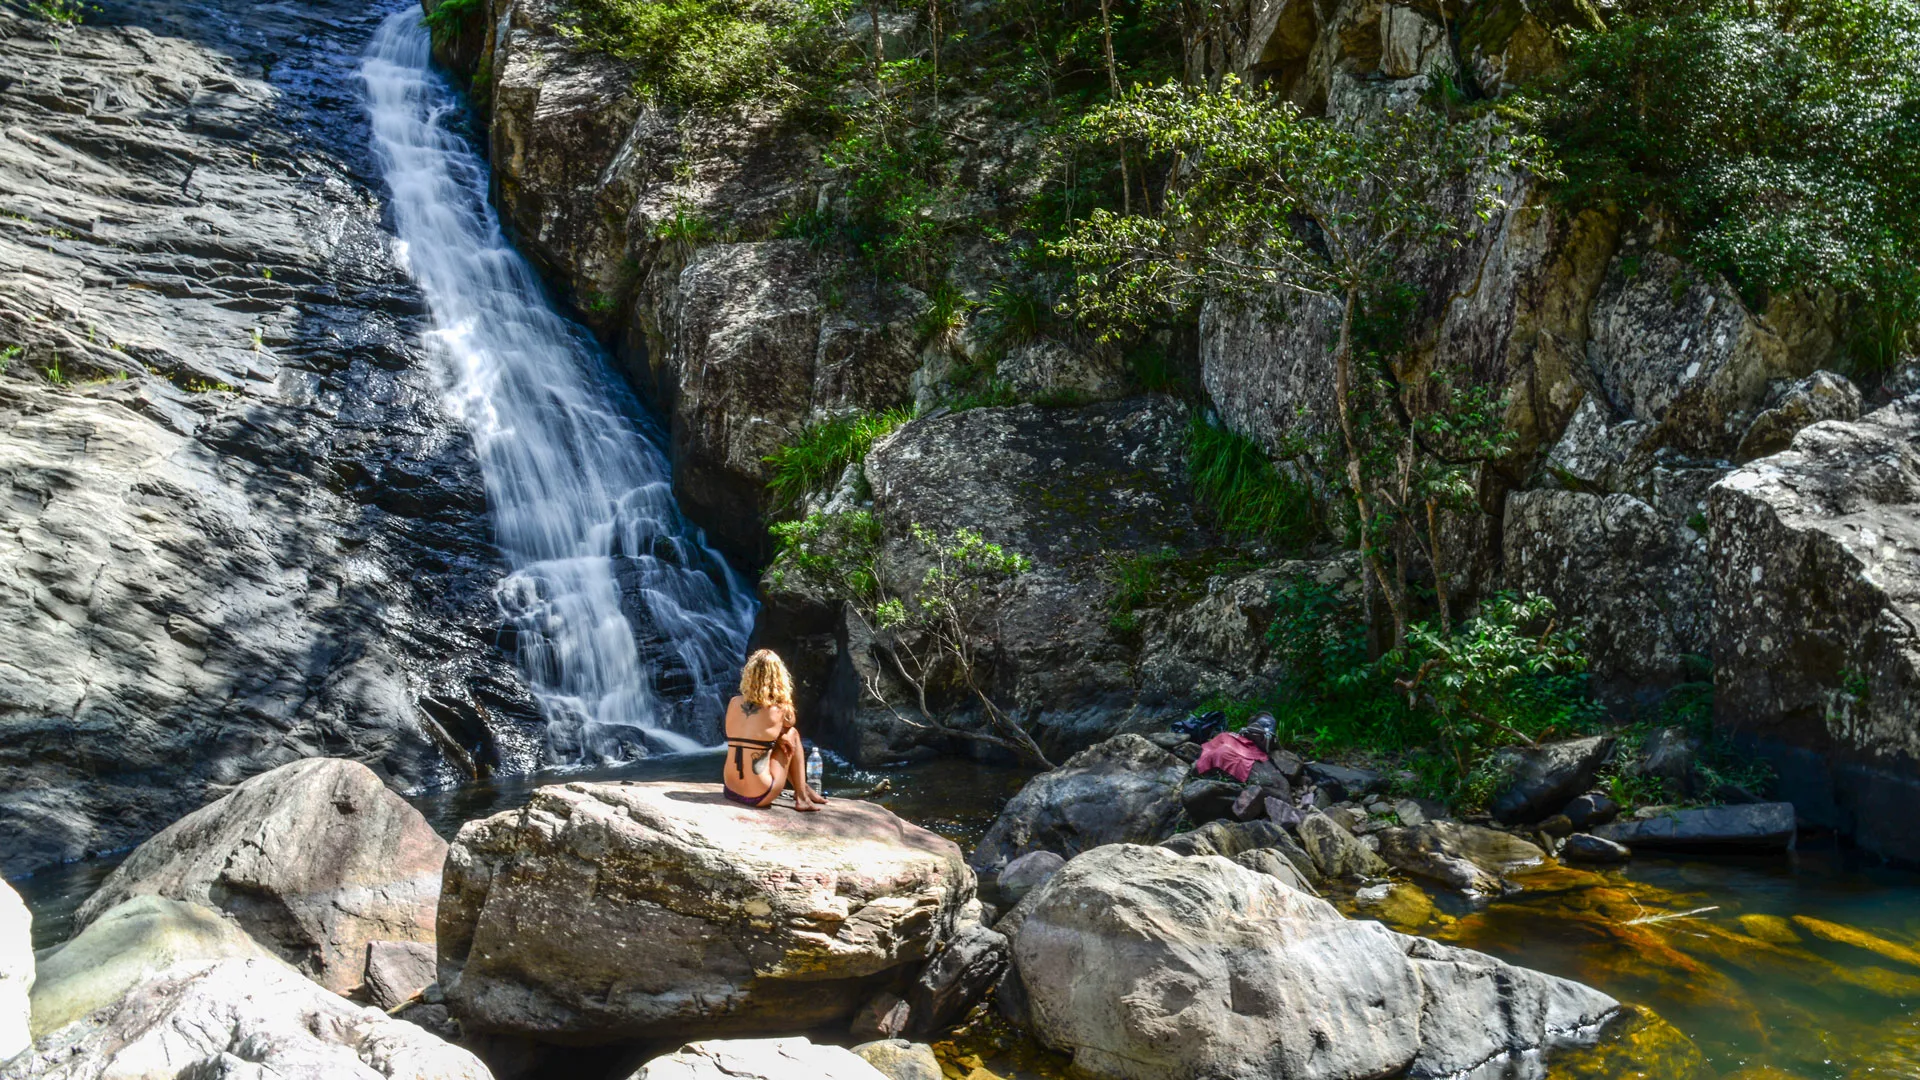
629	626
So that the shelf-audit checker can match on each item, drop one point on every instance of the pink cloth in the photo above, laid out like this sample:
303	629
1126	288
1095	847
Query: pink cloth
1231	753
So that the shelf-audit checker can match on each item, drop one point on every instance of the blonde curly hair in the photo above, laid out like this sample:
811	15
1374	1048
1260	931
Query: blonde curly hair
765	681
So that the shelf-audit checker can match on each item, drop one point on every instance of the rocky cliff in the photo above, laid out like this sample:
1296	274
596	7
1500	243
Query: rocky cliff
239	527
1632	382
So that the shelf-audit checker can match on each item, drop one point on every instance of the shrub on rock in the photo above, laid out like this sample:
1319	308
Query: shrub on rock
316	860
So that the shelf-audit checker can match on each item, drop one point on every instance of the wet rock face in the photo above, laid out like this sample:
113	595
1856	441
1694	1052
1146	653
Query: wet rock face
1145	964
614	912
316	860
239	528
1815	601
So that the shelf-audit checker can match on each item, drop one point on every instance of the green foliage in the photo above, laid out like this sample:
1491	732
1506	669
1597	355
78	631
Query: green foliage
1782	136
701	52
9	354
445	19
822	451
1720	766
944	317
1136	579
683	230
1245	491
1442	700
835	555
1017	313
62	12
963	570
895	181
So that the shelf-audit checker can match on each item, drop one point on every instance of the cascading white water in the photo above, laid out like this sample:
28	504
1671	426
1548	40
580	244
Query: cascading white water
628	625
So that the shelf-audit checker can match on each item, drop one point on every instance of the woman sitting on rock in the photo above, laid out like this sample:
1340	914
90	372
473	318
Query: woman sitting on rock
763	749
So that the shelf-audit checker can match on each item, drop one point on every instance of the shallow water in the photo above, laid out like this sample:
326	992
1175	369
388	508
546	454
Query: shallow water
1804	966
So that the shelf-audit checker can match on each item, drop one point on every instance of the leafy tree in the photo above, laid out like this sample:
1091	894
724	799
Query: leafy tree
1782	137
1279	211
938	637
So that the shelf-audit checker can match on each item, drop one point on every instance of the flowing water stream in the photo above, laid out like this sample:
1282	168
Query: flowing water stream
628	625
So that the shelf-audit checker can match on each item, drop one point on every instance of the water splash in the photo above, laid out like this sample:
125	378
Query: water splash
628	625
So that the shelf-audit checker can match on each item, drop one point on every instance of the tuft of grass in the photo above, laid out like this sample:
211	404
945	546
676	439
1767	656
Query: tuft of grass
9	354
1247	494
447	17
821	452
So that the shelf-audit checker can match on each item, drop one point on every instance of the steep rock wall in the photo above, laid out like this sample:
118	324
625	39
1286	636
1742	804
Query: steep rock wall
238	527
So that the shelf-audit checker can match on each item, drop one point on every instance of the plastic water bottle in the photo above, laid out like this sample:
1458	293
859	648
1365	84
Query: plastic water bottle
816	770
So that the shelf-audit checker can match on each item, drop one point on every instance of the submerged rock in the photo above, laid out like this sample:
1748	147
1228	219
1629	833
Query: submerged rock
759	1059
240	1019
316	860
1144	965
615	912
1123	790
16	971
1765	826
1336	853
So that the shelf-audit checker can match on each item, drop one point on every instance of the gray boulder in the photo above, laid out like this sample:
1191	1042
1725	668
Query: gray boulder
1588	848
621	911
1591	809
1026	873
759	1059
1123	790
1827	690
1755	826
1542	780
1344	781
1241	976
1207	800
898	1059
956	978
240	1019
1820	396
1336	853
398	970
16	972
1468	858
1277	866
128	947
316	860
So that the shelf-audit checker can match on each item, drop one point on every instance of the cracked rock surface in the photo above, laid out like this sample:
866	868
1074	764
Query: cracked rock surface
237	525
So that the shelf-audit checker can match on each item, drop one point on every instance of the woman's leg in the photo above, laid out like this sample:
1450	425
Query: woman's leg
804	797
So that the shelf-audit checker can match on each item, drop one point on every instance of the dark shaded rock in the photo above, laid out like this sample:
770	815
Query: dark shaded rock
1210	800
1591	809
245	528
1027	873
1288	763
1758	826
1251	803
956	977
884	1016
1827	691
1188	752
1543	780
1586	847
1349	783
1124	790
1669	754
1557	826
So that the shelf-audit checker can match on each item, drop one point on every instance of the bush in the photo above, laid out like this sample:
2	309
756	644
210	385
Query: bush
823	451
700	52
1507	674
1248	495
1782	136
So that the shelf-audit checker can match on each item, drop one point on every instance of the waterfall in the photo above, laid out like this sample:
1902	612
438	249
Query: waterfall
629	627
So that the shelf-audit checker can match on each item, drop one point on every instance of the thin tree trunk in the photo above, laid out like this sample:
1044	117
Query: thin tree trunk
1113	85
1439	570
1342	390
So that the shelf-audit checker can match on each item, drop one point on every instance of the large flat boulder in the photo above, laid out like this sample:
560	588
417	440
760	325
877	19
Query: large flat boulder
1756	826
613	912
16	971
1816	596
1125	790
316	860
248	1019
1145	964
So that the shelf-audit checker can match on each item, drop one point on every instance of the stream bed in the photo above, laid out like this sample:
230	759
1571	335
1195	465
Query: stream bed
1797	967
